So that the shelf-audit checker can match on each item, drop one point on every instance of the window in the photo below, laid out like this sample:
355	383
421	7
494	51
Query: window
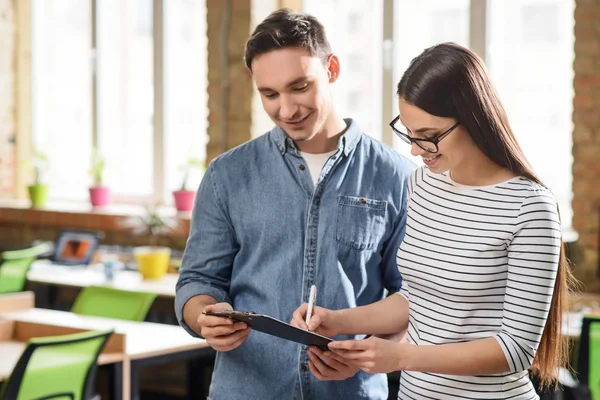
353	29
145	63
125	95
541	22
186	98
62	93
530	58
131	80
419	26
354	21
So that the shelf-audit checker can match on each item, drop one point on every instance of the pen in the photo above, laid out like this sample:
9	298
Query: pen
311	303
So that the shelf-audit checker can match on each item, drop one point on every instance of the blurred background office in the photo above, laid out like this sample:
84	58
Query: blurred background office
110	109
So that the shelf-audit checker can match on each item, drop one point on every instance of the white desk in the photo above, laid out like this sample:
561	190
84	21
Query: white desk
142	339
42	271
145	343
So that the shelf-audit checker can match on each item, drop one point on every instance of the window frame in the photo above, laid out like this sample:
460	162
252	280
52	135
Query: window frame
158	33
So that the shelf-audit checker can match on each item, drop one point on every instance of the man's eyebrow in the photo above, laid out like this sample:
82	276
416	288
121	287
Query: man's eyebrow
292	83
297	81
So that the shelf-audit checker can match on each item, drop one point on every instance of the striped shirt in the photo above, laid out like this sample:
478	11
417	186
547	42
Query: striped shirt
478	262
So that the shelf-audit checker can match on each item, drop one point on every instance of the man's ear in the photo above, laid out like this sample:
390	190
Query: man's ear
333	68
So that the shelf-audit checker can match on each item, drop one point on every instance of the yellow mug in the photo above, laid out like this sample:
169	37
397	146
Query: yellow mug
152	262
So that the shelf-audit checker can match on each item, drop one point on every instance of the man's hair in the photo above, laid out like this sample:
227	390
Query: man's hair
286	28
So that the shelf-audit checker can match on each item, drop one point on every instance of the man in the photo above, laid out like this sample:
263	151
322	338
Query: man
312	202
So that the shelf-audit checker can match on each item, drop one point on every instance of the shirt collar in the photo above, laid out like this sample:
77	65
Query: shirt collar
347	141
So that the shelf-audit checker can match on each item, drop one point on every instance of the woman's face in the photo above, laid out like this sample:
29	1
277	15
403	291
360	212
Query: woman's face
452	147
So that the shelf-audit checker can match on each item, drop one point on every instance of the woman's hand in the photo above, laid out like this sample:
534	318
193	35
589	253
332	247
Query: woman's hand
323	321
373	355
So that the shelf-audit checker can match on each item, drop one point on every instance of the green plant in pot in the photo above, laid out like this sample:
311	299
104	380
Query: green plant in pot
99	194
184	197
38	191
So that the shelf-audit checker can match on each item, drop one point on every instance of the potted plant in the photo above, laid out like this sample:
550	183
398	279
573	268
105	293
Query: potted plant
99	194
153	260
38	191
184	197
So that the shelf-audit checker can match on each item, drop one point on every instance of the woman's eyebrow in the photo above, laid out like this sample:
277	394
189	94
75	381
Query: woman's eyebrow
423	130
420	130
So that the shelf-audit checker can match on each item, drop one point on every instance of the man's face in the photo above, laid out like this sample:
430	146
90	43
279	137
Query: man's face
295	90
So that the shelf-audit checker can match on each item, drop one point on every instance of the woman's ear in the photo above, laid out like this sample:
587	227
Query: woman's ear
333	68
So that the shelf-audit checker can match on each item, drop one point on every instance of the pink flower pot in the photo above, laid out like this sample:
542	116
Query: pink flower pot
184	200
100	196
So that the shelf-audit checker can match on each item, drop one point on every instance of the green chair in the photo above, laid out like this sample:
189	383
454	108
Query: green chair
57	367
101	301
588	354
15	265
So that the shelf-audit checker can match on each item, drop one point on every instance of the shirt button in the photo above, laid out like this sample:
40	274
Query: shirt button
363	200
303	368
302	167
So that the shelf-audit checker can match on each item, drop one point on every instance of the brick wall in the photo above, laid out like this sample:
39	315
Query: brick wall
7	96
235	108
586	139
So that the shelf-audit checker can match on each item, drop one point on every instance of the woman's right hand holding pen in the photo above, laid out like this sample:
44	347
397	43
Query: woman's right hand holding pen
322	321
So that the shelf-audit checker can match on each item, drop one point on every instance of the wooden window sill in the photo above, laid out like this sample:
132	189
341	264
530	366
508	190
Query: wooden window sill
81	215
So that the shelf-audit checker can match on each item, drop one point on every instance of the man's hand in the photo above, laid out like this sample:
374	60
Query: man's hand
222	333
327	366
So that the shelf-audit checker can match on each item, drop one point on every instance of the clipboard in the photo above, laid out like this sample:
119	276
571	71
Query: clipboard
275	327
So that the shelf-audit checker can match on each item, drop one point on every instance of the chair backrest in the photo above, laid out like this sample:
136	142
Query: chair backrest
57	367
100	301
588	355
15	265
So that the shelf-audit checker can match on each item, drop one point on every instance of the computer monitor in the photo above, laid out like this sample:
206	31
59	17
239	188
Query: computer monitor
75	247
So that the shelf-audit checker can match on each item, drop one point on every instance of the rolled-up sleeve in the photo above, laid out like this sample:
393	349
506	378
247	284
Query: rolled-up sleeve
210	249
533	256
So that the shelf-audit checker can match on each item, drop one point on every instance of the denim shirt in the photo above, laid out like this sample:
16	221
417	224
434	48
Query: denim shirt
262	234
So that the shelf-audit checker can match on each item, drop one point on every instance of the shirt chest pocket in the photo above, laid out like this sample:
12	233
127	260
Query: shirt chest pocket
360	222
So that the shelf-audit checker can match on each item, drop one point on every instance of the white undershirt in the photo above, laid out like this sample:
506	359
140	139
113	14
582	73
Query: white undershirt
315	163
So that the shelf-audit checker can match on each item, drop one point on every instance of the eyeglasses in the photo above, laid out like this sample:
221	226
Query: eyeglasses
429	145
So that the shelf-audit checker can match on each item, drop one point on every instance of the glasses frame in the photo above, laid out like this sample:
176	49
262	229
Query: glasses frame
420	142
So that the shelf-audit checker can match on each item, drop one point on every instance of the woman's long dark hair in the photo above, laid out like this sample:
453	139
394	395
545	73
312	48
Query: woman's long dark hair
450	81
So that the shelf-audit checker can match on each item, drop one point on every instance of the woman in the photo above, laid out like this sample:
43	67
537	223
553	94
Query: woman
485	277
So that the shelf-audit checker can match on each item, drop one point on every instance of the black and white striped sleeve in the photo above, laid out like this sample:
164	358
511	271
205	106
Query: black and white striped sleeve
412	182
533	255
